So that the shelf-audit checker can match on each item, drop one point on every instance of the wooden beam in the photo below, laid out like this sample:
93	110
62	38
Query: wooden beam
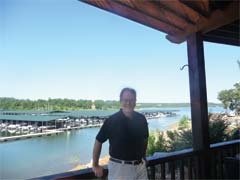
198	96
217	19
136	15
220	18
200	6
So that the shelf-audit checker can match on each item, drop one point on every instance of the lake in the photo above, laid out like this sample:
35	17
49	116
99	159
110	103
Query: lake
41	156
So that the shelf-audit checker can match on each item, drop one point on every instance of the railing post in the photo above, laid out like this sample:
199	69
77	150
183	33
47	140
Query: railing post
172	169
181	169
163	171
190	168
152	172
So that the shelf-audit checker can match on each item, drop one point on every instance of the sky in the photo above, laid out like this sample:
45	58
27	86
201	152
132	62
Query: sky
69	49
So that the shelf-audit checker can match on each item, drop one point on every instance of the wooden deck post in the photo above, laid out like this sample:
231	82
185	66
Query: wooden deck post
199	108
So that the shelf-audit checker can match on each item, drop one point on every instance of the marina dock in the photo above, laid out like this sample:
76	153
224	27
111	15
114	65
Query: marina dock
81	127
31	135
45	133
17	125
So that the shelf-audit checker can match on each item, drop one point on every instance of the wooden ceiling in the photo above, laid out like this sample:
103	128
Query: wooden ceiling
217	20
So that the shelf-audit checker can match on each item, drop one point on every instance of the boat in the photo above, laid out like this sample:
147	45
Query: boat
12	128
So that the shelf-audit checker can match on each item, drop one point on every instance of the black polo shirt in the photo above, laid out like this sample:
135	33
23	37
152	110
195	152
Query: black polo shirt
127	137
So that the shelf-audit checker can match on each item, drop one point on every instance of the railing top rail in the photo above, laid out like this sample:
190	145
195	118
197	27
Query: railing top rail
152	161
170	156
226	143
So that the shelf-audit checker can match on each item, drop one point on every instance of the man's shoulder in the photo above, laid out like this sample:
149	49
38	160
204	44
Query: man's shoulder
139	114
116	115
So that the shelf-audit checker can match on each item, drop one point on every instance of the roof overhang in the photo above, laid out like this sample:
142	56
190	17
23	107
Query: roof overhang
217	21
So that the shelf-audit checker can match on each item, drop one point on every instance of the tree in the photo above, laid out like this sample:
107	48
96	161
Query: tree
218	131
179	140
184	123
156	142
230	98
99	104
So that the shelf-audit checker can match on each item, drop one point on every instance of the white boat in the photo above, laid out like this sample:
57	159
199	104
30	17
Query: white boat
12	128
3	127
24	129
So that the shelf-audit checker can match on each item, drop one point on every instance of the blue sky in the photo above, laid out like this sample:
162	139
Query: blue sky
68	49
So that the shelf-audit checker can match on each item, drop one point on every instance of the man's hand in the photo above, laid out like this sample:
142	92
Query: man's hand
98	170
146	161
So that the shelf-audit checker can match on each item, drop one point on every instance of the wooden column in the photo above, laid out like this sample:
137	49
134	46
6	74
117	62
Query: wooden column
199	108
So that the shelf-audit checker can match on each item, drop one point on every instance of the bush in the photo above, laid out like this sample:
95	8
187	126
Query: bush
156	142
179	140
182	138
217	131
184	123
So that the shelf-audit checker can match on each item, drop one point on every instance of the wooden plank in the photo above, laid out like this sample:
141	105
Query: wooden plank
217	19
172	169
182	168
201	6
163	171
214	165
162	12
135	15
189	164
152	172
198	97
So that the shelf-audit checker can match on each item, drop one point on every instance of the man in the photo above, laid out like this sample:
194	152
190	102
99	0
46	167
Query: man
127	132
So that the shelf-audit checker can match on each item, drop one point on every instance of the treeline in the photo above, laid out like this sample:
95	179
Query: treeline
55	104
71	104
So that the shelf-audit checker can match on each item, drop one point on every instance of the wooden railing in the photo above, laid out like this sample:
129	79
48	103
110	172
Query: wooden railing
185	164
175	165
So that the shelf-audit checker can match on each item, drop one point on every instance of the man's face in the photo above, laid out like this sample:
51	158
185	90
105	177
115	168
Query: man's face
128	102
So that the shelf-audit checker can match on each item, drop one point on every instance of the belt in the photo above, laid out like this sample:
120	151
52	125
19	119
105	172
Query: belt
135	162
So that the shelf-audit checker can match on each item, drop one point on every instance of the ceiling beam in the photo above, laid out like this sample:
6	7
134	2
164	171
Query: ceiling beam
135	15
217	19
178	19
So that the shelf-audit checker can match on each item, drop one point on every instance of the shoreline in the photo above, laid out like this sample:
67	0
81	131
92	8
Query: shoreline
104	160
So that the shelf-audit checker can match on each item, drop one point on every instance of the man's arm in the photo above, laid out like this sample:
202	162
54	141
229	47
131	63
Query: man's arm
145	145
98	170
145	149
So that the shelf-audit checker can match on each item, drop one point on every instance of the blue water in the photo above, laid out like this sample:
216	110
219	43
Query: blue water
46	155
40	156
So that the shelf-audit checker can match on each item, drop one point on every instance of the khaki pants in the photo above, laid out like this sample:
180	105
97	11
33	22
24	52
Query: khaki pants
118	171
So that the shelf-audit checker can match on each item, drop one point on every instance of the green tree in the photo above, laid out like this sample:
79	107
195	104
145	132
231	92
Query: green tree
218	131
184	123
99	104
156	142
179	140
230	98
234	134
